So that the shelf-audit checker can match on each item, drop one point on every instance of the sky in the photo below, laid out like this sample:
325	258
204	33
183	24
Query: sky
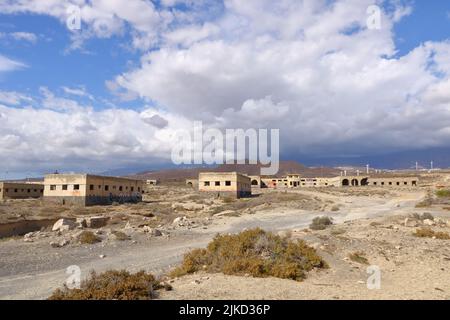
113	92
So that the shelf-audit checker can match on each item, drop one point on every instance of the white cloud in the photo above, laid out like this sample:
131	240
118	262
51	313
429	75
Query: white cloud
311	68
24	36
14	98
7	64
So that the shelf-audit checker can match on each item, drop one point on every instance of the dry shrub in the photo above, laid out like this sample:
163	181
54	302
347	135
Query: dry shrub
359	257
444	193
427	202
119	235
429	233
423	216
255	252
113	285
88	237
320	223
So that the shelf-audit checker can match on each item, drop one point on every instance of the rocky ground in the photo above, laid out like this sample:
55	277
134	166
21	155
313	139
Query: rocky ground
155	234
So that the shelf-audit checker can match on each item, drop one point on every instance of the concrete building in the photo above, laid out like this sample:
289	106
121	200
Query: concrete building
15	190
256	181
193	183
152	182
393	181
87	190
225	184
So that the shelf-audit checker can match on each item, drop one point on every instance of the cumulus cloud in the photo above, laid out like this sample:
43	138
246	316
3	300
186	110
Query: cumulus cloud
328	86
311	68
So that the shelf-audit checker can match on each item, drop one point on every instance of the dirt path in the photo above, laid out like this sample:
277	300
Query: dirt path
44	271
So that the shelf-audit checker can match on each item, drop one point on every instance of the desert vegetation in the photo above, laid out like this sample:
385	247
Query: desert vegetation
429	233
321	223
254	252
113	285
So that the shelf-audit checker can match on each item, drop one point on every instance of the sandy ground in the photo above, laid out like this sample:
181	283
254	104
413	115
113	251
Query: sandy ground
411	268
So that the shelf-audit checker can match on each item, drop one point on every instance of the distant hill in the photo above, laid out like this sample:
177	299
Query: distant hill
286	167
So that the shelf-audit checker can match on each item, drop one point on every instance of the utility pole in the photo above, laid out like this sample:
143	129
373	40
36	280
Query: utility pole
367	169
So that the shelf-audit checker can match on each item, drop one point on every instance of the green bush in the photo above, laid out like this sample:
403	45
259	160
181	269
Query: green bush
254	252
113	285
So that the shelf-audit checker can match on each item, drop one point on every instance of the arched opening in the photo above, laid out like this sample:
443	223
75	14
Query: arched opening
345	182
190	184
365	182
255	182
355	182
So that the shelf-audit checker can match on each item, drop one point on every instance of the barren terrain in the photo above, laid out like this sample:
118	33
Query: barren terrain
175	219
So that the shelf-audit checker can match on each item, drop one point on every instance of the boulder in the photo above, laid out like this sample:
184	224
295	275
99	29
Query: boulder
153	232
64	225
96	222
428	222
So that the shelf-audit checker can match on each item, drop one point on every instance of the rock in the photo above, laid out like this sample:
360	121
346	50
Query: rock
96	222
64	225
28	240
192	206
81	223
64	243
30	235
179	219
225	213
428	222
128	225
54	244
410	223
102	256
153	232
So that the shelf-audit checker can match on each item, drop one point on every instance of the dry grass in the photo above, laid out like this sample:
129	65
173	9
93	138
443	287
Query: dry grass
429	233
113	285
444	193
359	257
119	235
321	223
88	237
254	252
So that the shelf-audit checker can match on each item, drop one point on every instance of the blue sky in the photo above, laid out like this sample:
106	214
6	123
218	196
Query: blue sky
161	65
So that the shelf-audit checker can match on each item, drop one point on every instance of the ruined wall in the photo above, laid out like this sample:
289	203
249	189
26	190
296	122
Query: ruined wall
91	190
12	190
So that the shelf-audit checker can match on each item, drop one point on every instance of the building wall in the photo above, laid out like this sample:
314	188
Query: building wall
229	183
12	190
394	182
192	183
79	189
255	181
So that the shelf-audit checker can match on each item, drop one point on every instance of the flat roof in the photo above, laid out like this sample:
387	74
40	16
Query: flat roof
86	175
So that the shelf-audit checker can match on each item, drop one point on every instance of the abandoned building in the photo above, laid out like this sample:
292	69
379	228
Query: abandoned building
225	184
296	181
193	183
88	190
20	190
152	182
